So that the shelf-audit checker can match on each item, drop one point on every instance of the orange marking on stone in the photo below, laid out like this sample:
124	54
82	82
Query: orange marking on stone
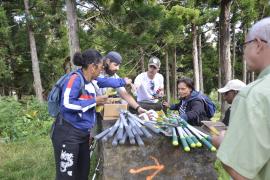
156	167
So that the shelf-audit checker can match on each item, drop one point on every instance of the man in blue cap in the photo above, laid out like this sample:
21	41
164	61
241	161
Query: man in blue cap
112	63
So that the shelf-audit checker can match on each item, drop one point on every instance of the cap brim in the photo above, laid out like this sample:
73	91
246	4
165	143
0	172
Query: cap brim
223	90
153	64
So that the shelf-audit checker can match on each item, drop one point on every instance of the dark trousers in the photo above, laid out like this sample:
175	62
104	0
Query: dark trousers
71	151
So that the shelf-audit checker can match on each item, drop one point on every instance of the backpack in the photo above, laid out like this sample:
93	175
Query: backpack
210	107
54	97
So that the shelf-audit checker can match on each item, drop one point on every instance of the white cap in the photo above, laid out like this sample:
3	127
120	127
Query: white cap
234	84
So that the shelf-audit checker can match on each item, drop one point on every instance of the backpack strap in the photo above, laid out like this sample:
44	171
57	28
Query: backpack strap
82	88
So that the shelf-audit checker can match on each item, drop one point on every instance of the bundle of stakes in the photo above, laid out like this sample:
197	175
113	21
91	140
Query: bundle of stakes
189	136
128	126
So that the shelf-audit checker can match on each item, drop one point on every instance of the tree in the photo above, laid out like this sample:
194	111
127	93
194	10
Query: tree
167	76
34	57
196	72
200	61
72	29
224	42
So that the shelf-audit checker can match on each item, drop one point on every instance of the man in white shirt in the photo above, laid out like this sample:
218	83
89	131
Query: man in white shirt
150	86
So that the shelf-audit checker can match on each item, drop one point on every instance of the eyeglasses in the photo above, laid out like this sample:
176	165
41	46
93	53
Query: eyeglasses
250	41
152	85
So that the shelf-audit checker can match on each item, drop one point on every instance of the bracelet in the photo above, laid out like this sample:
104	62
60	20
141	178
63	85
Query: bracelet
137	108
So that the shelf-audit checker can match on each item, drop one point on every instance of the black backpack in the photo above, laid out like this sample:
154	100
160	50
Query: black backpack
54	97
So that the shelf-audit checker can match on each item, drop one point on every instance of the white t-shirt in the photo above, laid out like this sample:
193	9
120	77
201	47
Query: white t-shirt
147	87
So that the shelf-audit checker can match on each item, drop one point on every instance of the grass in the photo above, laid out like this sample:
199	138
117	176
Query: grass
30	159
222	174
33	159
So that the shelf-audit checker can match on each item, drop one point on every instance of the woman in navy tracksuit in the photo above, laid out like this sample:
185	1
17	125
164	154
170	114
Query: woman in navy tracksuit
70	136
191	108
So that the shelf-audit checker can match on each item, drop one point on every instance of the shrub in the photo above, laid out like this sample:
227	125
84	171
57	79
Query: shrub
21	119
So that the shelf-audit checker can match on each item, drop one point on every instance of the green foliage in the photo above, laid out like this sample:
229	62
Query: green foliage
23	119
222	174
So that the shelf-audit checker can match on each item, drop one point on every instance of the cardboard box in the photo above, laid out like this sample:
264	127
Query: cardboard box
111	111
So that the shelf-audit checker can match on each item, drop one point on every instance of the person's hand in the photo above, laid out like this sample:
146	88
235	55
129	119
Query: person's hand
127	80
100	100
166	104
161	93
217	140
141	110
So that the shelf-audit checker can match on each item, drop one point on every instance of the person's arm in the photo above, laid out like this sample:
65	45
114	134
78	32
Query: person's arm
192	116
131	101
161	88
235	175
175	106
216	141
112	82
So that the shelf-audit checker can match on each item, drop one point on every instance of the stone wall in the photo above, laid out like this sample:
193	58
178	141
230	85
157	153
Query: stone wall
158	158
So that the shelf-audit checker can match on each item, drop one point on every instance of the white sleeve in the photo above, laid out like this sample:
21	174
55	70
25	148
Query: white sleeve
138	81
161	81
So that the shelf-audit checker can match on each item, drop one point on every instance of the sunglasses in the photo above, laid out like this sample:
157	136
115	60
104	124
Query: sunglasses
152	85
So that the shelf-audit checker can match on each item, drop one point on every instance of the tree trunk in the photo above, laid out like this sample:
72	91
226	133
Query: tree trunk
174	75
34	57
167	76
252	76
219	70
142	59
233	51
244	72
74	45
195	58
200	61
224	38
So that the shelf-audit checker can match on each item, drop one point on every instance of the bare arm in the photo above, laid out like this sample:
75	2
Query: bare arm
131	101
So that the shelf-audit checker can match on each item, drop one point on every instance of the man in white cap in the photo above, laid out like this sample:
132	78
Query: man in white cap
150	86
229	91
245	148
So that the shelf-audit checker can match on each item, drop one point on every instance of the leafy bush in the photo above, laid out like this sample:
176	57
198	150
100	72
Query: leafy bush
23	119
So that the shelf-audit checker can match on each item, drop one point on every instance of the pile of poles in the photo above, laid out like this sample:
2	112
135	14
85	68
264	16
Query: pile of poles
189	136
128	126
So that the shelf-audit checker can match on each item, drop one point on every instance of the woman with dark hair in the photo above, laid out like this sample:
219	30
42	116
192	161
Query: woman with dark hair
191	107
70	135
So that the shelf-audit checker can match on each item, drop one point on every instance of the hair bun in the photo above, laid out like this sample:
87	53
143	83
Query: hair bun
78	59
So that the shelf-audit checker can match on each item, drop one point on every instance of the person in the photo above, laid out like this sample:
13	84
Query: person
229	91
149	86
191	107
112	62
70	132
244	149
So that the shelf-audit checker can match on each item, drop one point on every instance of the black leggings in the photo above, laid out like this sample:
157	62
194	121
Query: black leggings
71	151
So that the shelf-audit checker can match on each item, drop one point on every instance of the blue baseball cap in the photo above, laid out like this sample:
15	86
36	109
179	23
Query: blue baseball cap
114	57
